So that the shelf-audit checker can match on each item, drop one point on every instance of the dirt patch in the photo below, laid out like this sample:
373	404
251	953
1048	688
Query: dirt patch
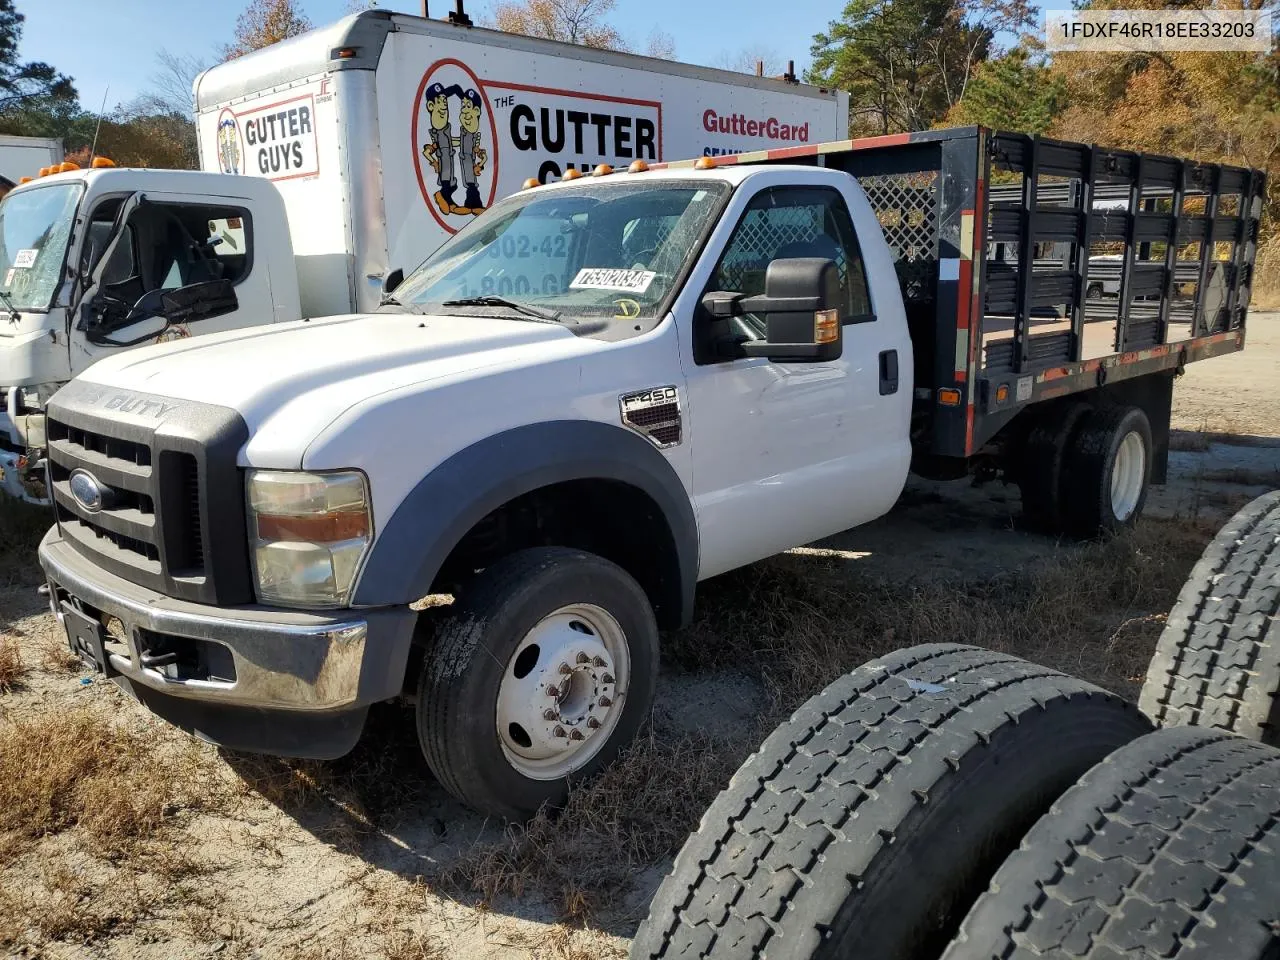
123	838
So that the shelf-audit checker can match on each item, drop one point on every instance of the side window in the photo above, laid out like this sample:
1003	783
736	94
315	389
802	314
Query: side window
786	222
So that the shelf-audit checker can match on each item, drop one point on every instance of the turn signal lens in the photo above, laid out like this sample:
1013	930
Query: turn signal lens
826	326
637	166
949	397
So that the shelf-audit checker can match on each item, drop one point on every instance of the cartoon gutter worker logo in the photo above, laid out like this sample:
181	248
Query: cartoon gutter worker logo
444	149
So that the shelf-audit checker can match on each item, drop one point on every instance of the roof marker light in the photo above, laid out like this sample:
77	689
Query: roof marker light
529	184
573	173
704	163
637	166
602	170
100	162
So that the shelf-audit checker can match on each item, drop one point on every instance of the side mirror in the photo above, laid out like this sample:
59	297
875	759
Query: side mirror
391	281
799	307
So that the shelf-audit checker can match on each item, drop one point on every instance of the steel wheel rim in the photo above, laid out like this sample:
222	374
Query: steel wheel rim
562	691
1127	473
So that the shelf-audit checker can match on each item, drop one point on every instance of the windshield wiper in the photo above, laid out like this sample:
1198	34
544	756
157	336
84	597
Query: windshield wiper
537	313
14	315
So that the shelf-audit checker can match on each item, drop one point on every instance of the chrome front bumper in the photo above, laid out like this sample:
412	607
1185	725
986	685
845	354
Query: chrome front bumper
284	660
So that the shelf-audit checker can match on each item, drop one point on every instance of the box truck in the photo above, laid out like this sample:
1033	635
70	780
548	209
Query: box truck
23	156
695	367
330	159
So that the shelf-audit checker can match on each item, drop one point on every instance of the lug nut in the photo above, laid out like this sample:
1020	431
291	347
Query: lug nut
559	731
598	661
576	735
549	715
593	723
605	702
565	668
553	690
583	658
607	678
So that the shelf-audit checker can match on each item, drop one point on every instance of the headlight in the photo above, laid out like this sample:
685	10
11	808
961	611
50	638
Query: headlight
308	533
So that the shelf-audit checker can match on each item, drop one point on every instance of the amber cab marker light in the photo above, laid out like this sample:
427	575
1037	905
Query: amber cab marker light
44	172
100	162
704	163
25	179
573	173
529	184
637	166
949	397
826	326
66	166
602	170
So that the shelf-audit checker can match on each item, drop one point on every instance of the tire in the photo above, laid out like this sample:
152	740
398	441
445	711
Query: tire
1095	290
1040	467
472	657
1217	663
868	823
1099	446
1169	847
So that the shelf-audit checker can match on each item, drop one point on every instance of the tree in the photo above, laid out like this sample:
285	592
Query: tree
22	84
1011	92
263	23
905	62
170	87
749	59
569	21
660	44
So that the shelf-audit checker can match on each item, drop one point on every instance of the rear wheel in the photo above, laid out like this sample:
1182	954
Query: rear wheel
1106	471
1040	465
1094	291
544	670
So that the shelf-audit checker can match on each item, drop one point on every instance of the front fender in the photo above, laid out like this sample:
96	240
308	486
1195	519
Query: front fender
436	514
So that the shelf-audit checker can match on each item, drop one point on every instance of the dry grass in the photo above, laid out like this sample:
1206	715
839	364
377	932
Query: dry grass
584	859
12	666
1244	476
21	527
79	768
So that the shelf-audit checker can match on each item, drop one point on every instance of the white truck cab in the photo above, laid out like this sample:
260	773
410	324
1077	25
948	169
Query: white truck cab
94	253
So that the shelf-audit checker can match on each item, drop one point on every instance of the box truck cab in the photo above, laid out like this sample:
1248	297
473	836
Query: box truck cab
331	159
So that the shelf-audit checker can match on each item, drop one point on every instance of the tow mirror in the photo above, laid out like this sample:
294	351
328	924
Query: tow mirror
799	308
391	281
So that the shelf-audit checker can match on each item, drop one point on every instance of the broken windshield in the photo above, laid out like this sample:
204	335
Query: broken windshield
35	227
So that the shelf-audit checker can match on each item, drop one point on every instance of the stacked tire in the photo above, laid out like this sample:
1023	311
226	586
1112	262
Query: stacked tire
950	802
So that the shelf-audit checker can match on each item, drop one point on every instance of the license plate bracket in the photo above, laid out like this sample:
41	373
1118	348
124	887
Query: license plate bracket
87	639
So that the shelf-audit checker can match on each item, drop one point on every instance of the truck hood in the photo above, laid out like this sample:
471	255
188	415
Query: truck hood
298	377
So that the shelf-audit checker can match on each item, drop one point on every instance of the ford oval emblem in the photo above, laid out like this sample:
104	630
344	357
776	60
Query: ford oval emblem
86	490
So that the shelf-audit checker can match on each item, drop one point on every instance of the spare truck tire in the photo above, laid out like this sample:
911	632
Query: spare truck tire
1217	663
543	670
1107	470
1168	847
867	824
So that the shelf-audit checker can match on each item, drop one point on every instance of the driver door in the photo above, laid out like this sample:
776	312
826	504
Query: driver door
169	242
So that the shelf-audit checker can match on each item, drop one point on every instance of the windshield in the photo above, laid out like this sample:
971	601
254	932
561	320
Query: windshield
595	250
35	226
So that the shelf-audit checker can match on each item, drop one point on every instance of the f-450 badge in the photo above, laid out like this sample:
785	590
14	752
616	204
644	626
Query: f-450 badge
654	413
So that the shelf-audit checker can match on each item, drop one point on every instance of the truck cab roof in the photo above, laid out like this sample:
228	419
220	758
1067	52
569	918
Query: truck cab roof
128	179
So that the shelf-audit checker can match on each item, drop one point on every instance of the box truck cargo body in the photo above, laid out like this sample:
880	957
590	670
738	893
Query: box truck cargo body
387	133
24	156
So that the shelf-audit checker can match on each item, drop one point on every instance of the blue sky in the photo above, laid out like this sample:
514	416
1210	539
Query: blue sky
100	42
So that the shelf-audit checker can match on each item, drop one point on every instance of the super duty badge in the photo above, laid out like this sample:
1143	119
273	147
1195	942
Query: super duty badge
653	413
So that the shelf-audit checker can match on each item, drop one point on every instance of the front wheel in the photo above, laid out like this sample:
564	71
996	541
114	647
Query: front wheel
543	671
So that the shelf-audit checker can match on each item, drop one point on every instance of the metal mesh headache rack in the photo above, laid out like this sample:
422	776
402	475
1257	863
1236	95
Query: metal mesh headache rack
1138	264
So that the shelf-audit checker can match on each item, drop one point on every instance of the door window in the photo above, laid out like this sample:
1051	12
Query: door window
788	222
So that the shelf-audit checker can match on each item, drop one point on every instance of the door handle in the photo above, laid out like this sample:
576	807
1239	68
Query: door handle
888	372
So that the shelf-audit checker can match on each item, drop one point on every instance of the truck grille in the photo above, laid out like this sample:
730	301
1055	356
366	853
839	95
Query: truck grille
171	515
